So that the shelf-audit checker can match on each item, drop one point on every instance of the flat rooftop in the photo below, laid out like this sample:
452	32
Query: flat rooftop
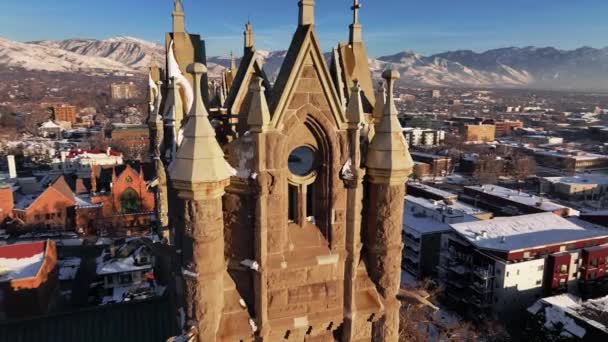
426	216
432	190
579	179
507	234
518	197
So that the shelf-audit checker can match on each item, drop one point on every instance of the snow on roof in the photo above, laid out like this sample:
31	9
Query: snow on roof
24	202
527	231
518	197
432	190
562	310
68	268
49	124
119	265
573	154
84	201
582	179
21	261
424	216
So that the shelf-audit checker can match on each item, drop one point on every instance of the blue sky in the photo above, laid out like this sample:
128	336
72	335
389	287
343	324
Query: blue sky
390	26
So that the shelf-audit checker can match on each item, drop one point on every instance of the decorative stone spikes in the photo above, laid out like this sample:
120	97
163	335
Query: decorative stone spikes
388	159
199	168
249	37
354	111
232	63
259	115
307	12
380	103
355	27
178	17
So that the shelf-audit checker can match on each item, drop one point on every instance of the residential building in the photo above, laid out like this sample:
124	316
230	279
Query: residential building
123	91
440	166
571	161
507	127
50	129
512	202
28	279
419	137
504	265
51	209
424	221
569	317
479	132
575	188
126	271
65	113
421	190
542	140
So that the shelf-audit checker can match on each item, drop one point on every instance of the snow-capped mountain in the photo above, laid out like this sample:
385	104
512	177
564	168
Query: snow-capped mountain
132	52
581	69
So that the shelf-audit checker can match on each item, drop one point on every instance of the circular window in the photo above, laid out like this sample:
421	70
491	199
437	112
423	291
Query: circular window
301	161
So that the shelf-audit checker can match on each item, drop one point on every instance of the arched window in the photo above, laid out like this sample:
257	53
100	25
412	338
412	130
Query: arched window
129	202
303	164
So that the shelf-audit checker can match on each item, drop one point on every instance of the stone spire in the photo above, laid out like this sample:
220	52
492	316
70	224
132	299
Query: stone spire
178	17
307	12
355	27
380	102
259	115
249	37
355	112
232	63
200	159
388	159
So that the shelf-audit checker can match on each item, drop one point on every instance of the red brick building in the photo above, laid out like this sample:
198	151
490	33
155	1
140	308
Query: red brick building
6	203
65	113
28	279
127	206
53	209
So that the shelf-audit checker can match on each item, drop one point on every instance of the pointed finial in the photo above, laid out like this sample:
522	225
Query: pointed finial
199	170
232	62
356	7
354	112
355	27
249	37
307	12
380	103
178	17
388	159
177	6
259	114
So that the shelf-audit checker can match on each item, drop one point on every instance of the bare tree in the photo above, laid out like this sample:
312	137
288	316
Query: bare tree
487	169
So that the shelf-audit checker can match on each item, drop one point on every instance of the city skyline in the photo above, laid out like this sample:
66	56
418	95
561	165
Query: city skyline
425	28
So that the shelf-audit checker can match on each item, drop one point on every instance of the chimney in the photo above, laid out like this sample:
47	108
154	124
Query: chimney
12	167
108	151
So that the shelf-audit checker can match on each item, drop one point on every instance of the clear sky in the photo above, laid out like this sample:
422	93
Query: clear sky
390	26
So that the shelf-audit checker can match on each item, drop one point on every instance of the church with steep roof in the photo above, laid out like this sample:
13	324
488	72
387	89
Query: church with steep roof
284	199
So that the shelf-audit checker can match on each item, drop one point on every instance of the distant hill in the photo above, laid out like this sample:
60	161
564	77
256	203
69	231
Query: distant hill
530	67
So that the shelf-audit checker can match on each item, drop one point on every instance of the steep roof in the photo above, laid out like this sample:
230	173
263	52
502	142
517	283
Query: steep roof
250	66
304	46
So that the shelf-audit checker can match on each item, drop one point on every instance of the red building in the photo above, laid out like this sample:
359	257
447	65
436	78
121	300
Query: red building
53	209
28	279
65	113
6	203
125	205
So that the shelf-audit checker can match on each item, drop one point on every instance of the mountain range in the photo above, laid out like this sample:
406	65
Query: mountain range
529	67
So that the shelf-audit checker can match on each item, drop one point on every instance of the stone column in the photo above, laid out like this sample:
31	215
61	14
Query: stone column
388	165
258	122
353	180
200	175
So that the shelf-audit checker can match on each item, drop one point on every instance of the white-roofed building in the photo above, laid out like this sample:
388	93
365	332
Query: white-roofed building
424	220
505	264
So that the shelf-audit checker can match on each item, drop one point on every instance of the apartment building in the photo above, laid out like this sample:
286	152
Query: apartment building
504	265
